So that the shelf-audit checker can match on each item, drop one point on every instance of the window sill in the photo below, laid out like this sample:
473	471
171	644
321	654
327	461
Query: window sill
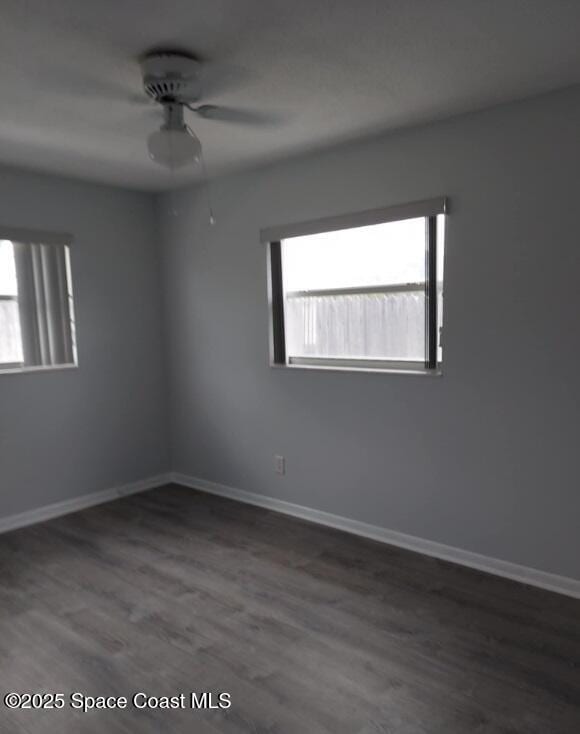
36	369
411	371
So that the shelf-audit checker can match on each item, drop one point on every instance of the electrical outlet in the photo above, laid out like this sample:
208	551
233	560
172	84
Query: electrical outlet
280	464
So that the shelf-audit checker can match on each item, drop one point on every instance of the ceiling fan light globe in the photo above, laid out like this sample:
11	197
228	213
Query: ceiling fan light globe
173	148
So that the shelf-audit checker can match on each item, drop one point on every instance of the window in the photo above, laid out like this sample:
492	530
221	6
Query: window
363	291
36	307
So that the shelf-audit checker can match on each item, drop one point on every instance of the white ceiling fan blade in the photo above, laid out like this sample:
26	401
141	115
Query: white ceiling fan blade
236	115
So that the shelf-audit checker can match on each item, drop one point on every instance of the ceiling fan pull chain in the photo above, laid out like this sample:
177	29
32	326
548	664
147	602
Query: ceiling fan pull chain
205	179
173	210
207	189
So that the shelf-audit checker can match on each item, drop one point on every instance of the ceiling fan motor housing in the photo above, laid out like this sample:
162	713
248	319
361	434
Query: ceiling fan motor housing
171	77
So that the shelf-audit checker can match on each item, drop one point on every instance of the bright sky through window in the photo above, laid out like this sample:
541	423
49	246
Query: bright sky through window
382	254
8	284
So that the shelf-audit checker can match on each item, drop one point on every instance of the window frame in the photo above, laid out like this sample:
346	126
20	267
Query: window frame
272	237
64	239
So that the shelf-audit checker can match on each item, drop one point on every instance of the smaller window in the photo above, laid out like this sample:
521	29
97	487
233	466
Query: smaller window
363	291
37	327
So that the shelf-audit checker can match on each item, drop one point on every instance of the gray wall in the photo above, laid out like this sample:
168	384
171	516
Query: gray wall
483	458
67	433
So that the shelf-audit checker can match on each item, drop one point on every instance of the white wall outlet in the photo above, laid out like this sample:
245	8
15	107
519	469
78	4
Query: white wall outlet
280	464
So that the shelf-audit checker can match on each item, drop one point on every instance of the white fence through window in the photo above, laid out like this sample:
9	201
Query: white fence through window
376	322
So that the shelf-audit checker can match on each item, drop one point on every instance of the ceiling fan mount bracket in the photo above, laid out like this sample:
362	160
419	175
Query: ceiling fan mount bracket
171	78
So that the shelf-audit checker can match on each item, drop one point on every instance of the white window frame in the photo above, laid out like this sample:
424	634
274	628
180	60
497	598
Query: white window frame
429	209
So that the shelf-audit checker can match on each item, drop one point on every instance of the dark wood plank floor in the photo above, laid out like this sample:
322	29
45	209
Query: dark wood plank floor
309	629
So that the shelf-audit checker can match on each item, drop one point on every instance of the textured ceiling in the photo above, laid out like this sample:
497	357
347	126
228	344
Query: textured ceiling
300	73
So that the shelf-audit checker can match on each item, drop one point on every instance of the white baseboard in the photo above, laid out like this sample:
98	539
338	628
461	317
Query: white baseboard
506	569
48	512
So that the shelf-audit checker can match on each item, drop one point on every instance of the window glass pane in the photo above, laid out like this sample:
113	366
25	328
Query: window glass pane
357	293
377	255
10	339
8	285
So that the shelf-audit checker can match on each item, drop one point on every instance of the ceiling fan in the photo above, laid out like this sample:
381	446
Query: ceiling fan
173	80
